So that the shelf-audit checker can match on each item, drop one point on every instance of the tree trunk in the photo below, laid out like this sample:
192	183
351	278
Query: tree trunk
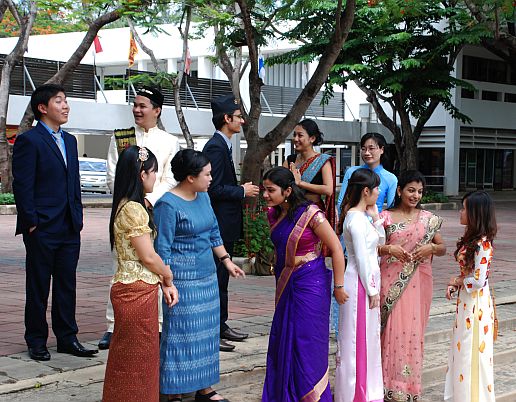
10	61
258	148
68	68
409	158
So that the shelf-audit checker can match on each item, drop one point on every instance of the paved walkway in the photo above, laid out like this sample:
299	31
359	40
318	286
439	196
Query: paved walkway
251	300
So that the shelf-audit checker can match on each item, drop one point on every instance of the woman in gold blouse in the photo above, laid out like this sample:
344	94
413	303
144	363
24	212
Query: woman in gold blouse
132	372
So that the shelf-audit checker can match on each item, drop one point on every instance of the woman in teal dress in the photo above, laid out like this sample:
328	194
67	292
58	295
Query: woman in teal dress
187	234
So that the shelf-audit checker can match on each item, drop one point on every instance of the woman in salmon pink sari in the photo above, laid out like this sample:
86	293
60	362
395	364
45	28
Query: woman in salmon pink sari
297	357
412	239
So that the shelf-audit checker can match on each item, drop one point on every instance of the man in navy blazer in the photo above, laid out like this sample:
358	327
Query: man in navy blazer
226	198
47	191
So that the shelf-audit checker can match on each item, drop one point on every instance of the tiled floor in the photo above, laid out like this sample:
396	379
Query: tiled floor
251	300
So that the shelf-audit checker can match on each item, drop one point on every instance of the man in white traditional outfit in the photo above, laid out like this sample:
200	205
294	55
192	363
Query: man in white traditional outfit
146	111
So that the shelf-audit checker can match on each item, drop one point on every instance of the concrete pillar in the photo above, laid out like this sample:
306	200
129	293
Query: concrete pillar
452	140
171	66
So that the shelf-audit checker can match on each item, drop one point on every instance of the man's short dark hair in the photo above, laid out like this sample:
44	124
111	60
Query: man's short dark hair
42	95
218	120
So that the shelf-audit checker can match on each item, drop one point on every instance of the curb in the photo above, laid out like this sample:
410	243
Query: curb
7	209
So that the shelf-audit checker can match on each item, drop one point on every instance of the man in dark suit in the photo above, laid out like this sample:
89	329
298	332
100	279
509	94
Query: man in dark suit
226	198
48	200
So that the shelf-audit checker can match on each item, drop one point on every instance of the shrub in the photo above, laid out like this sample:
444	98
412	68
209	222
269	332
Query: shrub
432	196
256	232
6	198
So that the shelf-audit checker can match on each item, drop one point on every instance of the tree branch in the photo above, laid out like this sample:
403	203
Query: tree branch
73	61
14	11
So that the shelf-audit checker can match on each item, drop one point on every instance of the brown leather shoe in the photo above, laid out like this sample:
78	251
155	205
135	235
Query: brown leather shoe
226	347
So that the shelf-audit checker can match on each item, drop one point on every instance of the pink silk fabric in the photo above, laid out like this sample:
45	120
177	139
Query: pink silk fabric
404	333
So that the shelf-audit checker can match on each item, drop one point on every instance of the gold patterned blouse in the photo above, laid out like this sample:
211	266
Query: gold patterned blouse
132	220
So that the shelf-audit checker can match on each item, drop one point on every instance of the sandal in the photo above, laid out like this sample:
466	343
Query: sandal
207	397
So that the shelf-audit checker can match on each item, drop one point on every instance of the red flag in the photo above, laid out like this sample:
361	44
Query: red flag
98	46
188	61
133	49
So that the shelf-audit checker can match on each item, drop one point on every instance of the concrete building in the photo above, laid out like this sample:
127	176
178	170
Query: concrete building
453	156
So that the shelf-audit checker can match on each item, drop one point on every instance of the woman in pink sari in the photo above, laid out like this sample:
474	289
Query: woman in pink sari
413	239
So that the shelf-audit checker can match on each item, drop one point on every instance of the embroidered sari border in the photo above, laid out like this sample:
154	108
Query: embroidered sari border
409	269
391	395
315	394
290	256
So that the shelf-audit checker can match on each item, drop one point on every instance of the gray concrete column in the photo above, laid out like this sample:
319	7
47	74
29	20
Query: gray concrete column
452	140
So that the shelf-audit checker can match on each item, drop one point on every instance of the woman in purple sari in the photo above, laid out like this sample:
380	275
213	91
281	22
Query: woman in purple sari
297	358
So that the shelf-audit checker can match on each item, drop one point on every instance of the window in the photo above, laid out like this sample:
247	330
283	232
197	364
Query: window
488	70
490	95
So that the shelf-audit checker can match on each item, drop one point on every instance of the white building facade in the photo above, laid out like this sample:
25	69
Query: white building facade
453	156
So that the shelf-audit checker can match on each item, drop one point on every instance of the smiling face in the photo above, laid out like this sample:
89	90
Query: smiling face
202	181
144	114
371	153
301	140
234	121
56	112
411	194
273	194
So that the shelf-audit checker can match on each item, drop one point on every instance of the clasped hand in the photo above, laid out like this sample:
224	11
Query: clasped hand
417	255
170	294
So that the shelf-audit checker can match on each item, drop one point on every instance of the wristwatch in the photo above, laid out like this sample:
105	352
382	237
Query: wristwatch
224	257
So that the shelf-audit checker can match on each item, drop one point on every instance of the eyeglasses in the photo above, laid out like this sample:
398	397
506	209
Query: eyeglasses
370	149
238	116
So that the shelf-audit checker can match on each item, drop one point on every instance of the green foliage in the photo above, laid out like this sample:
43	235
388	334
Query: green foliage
256	233
160	79
431	196
6	199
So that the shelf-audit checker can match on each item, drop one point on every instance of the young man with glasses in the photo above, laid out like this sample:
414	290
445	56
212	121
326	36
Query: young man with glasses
226	198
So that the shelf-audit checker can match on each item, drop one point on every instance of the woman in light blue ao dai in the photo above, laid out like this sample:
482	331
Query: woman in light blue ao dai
188	235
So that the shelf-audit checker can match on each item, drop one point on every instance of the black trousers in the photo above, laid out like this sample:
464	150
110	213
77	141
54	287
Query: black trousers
223	280
50	256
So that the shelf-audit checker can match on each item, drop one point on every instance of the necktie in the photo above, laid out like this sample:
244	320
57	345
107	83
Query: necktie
231	155
59	141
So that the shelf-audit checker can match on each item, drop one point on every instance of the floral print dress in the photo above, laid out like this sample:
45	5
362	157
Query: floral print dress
470	360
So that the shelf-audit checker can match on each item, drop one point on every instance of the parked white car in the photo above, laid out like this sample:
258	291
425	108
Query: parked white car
93	175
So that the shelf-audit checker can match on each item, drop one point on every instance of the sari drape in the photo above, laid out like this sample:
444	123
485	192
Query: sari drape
405	298
309	170
297	357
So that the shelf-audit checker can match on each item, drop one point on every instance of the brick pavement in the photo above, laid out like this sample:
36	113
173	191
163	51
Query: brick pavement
251	300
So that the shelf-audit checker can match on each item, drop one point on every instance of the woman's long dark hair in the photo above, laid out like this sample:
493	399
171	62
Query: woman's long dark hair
128	183
284	178
481	222
312	130
360	179
406	177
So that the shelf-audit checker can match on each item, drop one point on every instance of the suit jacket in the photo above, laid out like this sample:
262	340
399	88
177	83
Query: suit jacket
46	191
225	193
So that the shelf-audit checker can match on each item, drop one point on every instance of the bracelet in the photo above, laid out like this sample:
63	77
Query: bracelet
338	286
224	257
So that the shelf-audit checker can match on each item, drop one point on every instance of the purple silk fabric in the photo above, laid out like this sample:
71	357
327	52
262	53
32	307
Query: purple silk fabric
297	357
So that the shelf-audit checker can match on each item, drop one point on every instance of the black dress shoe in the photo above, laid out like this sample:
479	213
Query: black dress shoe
226	347
232	335
76	349
40	353
207	397
105	341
